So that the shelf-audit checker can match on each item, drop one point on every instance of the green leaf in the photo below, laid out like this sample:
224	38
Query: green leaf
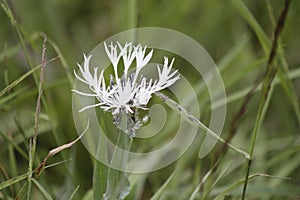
12	181
13	50
42	189
264	41
245	12
88	195
100	171
73	194
99	179
240	182
11	142
21	78
158	194
287	84
118	185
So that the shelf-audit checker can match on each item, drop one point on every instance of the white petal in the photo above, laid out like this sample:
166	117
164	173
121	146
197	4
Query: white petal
90	106
84	94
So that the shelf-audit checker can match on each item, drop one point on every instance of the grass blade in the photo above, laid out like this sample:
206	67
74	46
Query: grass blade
74	193
12	181
245	12
21	78
271	70
264	41
118	185
33	142
63	60
11	142
42	189
13	50
100	171
239	183
159	192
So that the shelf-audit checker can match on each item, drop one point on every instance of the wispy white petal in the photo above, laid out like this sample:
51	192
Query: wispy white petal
84	94
166	77
79	78
125	93
113	55
90	106
141	59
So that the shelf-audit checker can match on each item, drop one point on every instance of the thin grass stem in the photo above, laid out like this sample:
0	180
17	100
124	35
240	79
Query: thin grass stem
266	88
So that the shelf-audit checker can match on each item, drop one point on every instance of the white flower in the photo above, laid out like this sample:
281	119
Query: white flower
126	93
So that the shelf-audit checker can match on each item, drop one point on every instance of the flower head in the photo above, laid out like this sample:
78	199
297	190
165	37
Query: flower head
130	92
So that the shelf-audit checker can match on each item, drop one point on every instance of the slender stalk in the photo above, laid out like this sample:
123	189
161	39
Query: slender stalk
21	33
36	120
12	158
133	18
132	14
117	181
269	77
100	170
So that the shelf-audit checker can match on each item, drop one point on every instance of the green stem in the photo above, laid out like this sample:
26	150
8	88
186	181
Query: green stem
197	123
117	181
132	22
100	169
271	70
132	14
33	142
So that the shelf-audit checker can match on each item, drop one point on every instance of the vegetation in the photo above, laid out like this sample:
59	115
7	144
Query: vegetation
255	45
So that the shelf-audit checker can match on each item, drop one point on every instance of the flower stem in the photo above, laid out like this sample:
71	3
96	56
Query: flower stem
118	185
195	122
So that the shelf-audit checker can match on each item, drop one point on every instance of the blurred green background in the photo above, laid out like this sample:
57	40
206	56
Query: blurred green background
75	27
